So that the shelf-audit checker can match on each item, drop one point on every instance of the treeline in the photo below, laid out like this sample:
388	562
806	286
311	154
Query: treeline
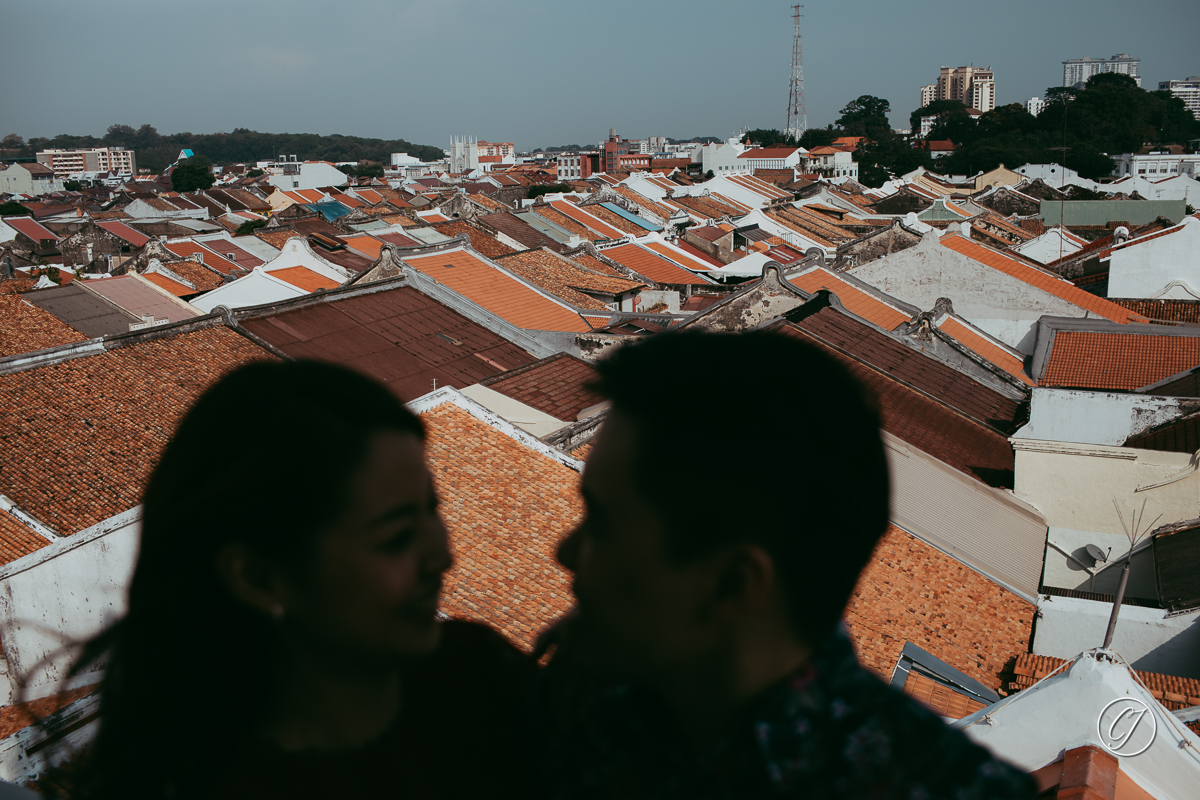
1078	127
156	151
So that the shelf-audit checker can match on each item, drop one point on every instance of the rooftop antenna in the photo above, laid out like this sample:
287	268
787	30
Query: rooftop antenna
797	118
1134	536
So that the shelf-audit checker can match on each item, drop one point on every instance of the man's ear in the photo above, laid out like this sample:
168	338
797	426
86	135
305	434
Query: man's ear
253	579
747	578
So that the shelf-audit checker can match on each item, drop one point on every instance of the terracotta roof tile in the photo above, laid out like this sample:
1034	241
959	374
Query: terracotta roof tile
520	231
556	385
564	279
18	717
595	264
277	238
16	540
1122	361
939	697
81	436
1164	310
26	328
566	223
653	266
983	346
585	218
304	278
506	508
911	591
1035	277
616	220
481	242
498	292
645	202
1173	692
855	300
682	259
1178	436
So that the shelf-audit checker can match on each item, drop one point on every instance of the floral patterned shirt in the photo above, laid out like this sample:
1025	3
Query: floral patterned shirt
830	730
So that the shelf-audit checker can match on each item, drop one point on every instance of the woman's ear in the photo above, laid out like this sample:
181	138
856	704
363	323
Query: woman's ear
253	579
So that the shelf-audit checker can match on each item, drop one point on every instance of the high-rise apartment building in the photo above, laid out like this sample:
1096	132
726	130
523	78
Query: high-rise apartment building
95	159
1076	71
974	87
1035	105
1188	91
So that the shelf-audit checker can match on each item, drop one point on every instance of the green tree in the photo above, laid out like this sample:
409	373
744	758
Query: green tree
865	116
818	137
72	186
249	226
538	191
253	173
934	109
12	142
708	176
13	209
1111	79
765	137
888	156
194	173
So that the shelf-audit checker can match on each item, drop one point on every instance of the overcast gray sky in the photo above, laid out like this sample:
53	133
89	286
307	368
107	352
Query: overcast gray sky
537	72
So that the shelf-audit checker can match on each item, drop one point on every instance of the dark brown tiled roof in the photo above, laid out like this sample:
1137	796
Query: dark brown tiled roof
914	368
556	385
506	508
911	591
929	425
1179	436
940	697
520	231
481	242
78	438
616	220
16	540
398	336
1165	310
200	276
565	280
277	238
26	328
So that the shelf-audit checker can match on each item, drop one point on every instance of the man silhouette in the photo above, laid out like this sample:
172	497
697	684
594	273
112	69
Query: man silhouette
735	493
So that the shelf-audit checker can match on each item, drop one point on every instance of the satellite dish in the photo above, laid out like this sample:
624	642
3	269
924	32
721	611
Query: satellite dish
1096	553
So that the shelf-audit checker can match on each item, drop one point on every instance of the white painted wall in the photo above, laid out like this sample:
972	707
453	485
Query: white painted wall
1004	306
1086	417
1150	268
59	596
1145	637
313	175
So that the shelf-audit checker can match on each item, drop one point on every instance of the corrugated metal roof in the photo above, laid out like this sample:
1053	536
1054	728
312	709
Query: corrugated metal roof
137	298
82	310
1102	212
398	336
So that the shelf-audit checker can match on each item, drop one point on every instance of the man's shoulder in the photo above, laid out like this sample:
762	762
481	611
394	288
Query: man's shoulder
877	736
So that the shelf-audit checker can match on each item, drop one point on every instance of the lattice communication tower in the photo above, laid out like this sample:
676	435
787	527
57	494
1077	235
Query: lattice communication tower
797	119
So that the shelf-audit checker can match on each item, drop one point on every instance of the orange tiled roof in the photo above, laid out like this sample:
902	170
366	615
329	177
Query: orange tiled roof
277	238
565	280
498	292
481	242
1043	280
568	224
939	697
105	418
1173	692
506	507
18	717
856	301
682	259
16	540
1125	361
169	284
911	591
366	244
26	328
587	219
595	264
304	278
652	265
990	350
616	220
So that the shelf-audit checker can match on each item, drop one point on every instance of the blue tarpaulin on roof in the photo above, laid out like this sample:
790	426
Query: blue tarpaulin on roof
634	218
330	210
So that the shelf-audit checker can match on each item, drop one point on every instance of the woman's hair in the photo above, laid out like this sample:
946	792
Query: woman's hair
265	458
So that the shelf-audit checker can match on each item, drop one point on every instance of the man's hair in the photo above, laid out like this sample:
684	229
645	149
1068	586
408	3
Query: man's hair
763	438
